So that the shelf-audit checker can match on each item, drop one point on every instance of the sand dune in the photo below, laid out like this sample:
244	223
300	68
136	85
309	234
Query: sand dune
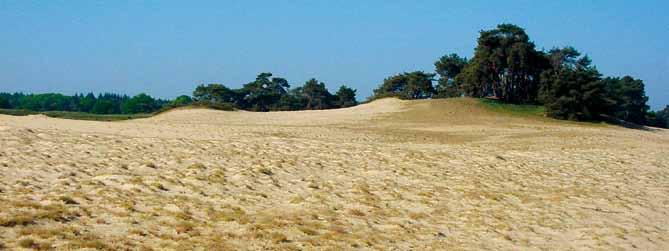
388	175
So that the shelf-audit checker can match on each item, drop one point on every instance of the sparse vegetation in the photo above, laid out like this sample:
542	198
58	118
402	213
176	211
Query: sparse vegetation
266	171
69	201
197	166
184	227
307	231
20	220
32	244
159	186
344	182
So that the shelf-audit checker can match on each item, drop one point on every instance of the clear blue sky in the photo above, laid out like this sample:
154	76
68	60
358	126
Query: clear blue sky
165	48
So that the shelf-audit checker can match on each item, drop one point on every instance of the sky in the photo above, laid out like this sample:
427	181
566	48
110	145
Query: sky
166	48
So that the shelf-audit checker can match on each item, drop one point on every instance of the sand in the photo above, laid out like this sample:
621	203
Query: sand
389	175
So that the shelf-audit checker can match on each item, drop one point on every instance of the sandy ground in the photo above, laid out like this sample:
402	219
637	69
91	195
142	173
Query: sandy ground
390	175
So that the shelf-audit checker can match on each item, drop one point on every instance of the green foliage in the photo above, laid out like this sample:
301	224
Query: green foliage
316	95
408	85
102	104
4	103
273	94
140	103
44	102
182	100
449	67
263	93
105	107
629	99
215	93
663	117
345	97
515	109
572	89
659	118
505	65
292	101
86	103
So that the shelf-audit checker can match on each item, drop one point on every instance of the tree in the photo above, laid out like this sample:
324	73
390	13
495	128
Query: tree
317	95
263	93
86	103
408	85
140	103
505	65
572	89
4	103
661	118
345	97
449	67
293	100
182	100
103	106
629	97
215	94
44	102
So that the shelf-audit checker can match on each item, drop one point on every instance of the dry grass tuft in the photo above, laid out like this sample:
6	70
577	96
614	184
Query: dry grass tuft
307	230
197	166
266	171
32	244
88	242
69	201
18	220
159	186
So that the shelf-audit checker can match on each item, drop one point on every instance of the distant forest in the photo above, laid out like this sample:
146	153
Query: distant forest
107	103
506	66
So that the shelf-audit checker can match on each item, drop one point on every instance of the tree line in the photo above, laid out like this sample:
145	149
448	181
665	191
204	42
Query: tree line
507	66
267	93
107	103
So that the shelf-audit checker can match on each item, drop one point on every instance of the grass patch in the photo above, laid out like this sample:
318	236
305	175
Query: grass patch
199	104
32	244
519	110
229	214
19	220
55	212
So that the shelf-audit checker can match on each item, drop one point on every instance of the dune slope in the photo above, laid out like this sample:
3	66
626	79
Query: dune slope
388	175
